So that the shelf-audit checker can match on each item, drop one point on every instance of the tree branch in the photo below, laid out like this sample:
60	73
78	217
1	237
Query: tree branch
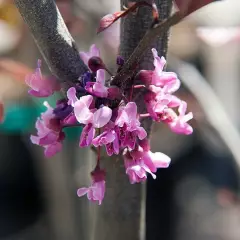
148	39
122	216
52	38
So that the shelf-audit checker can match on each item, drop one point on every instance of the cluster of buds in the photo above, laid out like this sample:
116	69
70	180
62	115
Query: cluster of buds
108	115
110	118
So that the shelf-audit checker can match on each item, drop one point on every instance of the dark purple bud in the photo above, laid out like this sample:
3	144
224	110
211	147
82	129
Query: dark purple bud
120	60
62	110
95	63
86	77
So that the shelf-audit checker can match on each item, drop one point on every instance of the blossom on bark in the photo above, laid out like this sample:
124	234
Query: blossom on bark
110	118
49	133
96	191
139	162
129	126
98	88
41	86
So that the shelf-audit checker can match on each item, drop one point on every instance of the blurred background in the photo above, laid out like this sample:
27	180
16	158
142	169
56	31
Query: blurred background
196	198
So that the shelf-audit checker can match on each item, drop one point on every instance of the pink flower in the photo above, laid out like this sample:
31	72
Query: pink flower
157	102
168	81
97	190
136	169
87	135
155	107
158	94
152	160
160	78
49	133
71	95
98	118
98	88
129	126
179	123
52	149
139	162
94	52
109	138
92	118
81	109
40	86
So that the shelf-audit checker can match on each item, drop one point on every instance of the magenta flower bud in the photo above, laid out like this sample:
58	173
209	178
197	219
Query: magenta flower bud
95	63
120	60
145	76
40	85
49	133
114	93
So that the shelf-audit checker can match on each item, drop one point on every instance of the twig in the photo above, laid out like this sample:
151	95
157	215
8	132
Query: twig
52	38
151	35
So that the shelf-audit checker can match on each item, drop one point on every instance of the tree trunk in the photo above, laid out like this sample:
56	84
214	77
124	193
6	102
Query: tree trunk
122	214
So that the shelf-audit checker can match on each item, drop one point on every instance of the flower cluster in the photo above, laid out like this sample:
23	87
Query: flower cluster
109	119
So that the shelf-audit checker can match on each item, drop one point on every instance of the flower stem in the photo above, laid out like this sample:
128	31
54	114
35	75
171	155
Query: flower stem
139	86
144	115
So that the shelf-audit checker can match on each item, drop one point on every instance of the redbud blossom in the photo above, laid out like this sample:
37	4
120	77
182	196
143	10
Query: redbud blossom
41	86
109	119
96	191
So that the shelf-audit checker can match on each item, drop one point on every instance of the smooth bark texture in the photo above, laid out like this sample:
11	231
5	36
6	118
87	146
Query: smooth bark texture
122	215
52	38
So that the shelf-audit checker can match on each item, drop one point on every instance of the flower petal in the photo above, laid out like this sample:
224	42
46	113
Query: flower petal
82	191
187	117
51	150
160	160
131	110
94	51
182	108
50	138
82	113
71	95
101	117
85	57
100	76
141	133
87	100
159	63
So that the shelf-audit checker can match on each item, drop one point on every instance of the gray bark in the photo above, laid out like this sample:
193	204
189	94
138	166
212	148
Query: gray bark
122	215
52	38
